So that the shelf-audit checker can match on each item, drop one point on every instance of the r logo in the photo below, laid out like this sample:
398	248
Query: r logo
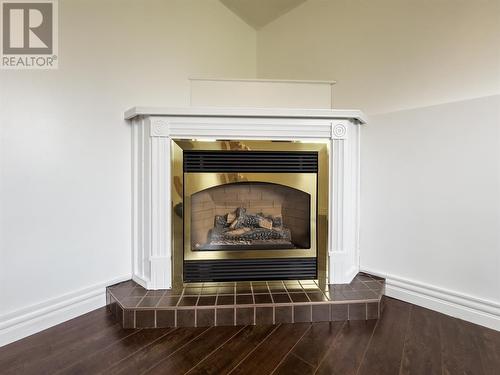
27	28
29	34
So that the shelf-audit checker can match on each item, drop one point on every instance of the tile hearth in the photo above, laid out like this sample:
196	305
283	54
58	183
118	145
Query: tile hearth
243	303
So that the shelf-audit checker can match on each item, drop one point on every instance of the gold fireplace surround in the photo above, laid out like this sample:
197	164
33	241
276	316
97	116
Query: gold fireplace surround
217	193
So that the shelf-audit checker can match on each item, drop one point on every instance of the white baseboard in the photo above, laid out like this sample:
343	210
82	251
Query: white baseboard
35	318
459	305
139	280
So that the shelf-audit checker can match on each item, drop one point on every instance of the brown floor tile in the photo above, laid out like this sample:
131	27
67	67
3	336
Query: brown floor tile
225	290
294	288
372	310
357	311
351	295
245	316
374	285
244	299
149	301
205	317
128	319
339	312
263	315
138	292
302	314
144	319
225	316
206	301
192	291
225	300
243	289
299	297
281	298
317	297
260	288
368	294
129	302
263	298
188	301
209	291
277	288
165	318
321	313
186	318
155	293
168	301
283	314
119	314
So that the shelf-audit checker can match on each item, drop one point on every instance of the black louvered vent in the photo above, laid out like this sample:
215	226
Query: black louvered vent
250	269
250	161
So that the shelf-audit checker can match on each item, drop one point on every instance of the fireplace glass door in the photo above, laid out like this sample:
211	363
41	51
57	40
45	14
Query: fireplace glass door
250	216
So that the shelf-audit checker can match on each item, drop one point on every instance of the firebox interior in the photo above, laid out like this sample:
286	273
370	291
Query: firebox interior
250	215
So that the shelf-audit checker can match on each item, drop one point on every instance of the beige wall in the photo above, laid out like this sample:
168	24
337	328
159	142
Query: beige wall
388	55
65	149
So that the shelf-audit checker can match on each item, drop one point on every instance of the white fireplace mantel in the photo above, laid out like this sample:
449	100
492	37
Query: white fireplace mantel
152	130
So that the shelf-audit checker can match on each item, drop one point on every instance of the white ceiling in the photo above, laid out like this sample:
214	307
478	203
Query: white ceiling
258	13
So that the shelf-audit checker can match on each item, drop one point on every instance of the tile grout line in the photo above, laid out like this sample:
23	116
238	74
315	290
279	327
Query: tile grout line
272	301
290	298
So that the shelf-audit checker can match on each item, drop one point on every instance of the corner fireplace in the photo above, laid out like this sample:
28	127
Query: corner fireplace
249	209
165	141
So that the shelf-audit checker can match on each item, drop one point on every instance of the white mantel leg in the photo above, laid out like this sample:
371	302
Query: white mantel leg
344	202
151	241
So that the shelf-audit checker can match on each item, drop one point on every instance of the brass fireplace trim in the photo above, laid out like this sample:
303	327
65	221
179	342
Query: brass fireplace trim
196	182
322	203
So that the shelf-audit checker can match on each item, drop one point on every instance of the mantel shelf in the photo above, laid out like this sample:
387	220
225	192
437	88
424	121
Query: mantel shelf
351	114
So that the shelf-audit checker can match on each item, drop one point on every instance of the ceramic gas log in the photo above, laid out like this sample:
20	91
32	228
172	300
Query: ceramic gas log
240	228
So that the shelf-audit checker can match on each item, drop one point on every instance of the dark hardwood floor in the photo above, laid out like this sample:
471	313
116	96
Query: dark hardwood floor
407	340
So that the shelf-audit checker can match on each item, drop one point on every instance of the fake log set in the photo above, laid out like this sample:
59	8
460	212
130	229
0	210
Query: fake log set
242	228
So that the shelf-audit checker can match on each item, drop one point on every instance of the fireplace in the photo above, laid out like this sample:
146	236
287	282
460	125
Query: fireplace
185	197
248	210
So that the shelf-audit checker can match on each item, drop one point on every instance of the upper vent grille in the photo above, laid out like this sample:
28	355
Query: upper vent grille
250	161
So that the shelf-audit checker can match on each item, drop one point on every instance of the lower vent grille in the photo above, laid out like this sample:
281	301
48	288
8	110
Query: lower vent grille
250	269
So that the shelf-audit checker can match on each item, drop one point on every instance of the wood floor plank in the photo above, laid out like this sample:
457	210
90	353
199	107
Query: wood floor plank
385	349
313	345
234	351
490	352
104	359
79	347
406	340
156	352
35	347
460	350
267	356
190	355
346	353
422	348
70	346
293	365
